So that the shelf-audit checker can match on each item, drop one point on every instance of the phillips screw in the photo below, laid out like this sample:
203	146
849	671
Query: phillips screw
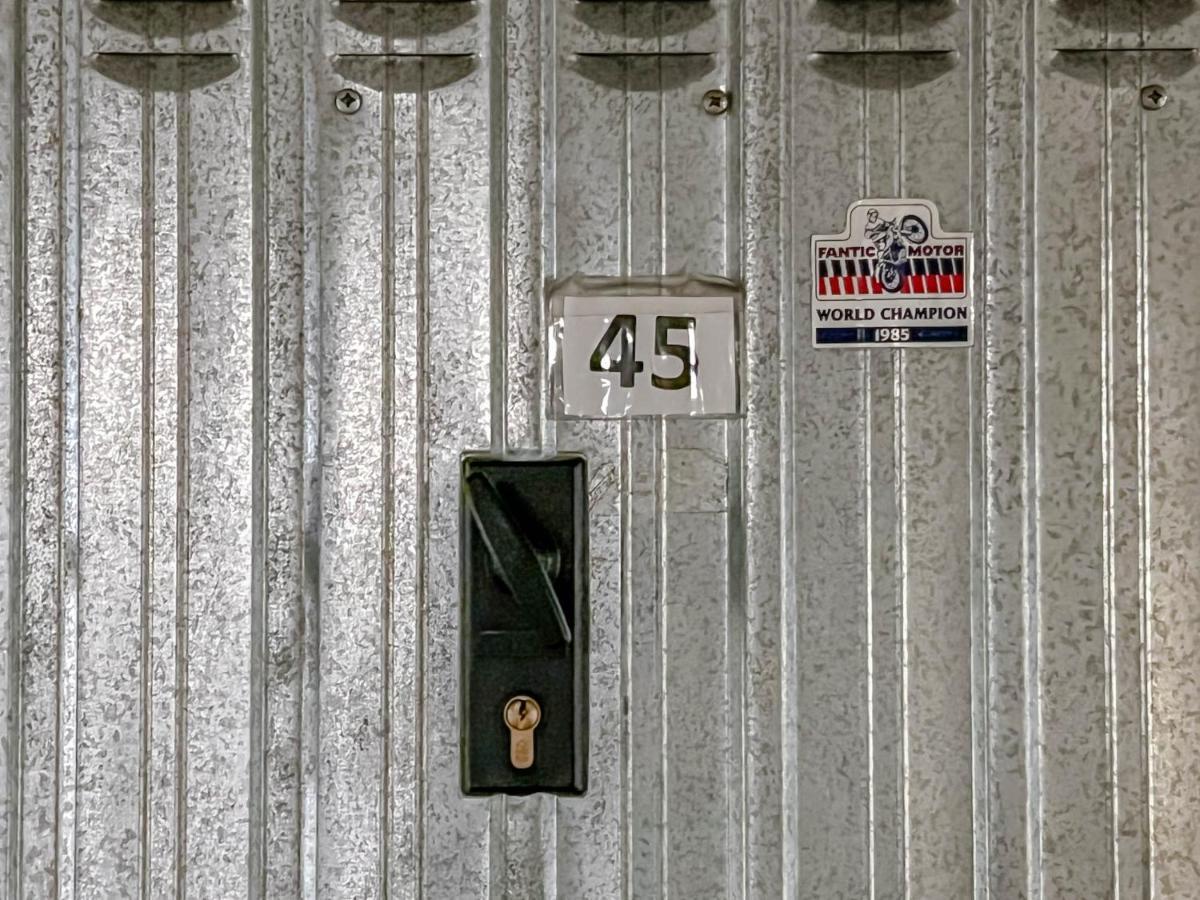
347	101
715	102
1154	96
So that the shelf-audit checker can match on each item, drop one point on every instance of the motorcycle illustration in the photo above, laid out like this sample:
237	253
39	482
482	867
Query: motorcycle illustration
892	240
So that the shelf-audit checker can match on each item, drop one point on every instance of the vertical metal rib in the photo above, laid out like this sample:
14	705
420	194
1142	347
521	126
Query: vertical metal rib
387	477
498	160
901	494
42	763
868	428
788	588
1107	465
165	214
771	775
497	806
901	447
660	603
736	646
548	47
69	383
660	506
1032	485
1145	592
627	762
14	754
313	356
979	436
420	721
146	588
625	232
183	487
260	594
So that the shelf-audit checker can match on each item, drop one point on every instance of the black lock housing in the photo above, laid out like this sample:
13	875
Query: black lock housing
524	630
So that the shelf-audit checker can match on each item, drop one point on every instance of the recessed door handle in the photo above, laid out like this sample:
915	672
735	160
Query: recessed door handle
523	645
516	561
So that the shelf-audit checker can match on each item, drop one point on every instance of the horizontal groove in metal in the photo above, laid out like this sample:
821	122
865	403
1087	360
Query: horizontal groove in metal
180	55
401	57
926	53
644	54
1189	51
160	2
407	2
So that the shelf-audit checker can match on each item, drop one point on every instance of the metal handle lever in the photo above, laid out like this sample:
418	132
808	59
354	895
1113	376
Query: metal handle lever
516	560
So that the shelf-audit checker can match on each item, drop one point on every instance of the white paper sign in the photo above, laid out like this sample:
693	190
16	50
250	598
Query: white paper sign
647	356
893	278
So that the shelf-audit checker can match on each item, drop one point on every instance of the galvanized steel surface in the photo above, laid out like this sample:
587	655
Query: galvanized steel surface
921	624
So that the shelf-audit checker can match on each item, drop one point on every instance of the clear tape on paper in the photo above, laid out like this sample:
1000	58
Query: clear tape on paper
644	346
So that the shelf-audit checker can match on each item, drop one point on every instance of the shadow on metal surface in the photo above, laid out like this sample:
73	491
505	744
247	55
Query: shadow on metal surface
644	19
883	69
1126	16
168	18
1098	65
166	71
643	71
405	73
880	16
404	20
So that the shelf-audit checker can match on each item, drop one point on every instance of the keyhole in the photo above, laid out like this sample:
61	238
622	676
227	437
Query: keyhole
522	715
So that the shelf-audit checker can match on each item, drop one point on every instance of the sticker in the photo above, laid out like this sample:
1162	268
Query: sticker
893	278
616	357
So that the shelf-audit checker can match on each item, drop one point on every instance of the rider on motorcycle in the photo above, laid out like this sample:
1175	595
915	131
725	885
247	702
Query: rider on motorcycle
885	235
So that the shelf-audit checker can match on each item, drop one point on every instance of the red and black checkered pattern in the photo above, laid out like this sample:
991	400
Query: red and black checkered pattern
851	279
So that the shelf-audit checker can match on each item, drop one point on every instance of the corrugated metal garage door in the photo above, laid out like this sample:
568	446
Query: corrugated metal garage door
920	624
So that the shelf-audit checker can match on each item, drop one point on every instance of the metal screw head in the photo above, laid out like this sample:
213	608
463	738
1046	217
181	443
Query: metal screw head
348	101
715	102
1154	96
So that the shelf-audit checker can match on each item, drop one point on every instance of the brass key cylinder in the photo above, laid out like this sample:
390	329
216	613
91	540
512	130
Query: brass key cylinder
522	715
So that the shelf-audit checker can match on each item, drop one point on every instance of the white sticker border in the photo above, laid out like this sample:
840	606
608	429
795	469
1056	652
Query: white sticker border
935	226
715	295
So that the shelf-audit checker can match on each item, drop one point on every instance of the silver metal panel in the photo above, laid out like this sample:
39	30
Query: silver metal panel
166	310
1069	405
9	431
286	280
458	409
123	134
919	624
353	646
1168	467
1007	823
934	468
585	231
762	541
42	721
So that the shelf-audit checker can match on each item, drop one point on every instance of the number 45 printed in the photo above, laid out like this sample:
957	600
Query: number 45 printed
624	330
615	357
